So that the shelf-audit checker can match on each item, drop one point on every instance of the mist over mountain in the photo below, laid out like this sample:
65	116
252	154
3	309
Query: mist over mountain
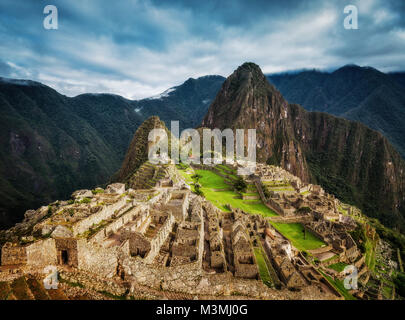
356	93
348	159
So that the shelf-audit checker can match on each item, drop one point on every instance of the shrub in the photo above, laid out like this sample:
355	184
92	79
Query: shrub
196	176
197	189
240	185
85	200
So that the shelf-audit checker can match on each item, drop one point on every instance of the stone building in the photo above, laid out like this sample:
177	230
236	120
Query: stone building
244	259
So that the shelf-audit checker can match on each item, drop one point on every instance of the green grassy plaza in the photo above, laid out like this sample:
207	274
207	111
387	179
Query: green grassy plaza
295	233
219	193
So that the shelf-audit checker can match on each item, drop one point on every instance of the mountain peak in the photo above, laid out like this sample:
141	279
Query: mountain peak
251	71
245	90
249	66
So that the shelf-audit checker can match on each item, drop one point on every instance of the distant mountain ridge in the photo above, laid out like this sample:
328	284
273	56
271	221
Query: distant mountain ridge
348	159
176	103
52	145
356	93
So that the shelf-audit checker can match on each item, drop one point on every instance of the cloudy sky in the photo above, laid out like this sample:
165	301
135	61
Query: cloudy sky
138	48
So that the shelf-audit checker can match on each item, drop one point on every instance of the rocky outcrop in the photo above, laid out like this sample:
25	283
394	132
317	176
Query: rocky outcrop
61	232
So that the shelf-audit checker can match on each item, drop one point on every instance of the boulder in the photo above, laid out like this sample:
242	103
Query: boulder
46	229
118	188
80	194
61	232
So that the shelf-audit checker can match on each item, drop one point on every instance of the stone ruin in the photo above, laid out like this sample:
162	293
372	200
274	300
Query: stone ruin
163	235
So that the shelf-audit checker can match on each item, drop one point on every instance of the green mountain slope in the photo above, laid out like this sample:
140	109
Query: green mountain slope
356	93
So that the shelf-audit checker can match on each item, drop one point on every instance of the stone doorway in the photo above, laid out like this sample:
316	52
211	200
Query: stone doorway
64	257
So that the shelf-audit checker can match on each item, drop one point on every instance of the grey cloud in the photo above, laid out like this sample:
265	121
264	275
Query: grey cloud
139	48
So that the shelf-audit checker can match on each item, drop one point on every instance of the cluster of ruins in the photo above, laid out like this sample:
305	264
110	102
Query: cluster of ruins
166	228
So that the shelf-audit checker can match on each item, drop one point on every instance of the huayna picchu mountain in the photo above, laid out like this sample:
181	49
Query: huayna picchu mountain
348	159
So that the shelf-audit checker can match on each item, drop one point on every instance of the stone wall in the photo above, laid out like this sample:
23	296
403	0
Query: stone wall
191	279
291	219
201	244
42	253
269	203
161	276
96	259
13	254
160	238
178	205
316	233
39	254
105	213
116	224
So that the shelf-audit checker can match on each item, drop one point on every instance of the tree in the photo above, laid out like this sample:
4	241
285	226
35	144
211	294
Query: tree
240	185
197	189
196	176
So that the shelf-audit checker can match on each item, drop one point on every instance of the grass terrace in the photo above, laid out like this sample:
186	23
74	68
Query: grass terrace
231	173
339	267
339	286
263	270
186	172
295	233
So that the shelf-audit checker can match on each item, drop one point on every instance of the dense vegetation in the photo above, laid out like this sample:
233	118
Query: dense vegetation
356	93
52	145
